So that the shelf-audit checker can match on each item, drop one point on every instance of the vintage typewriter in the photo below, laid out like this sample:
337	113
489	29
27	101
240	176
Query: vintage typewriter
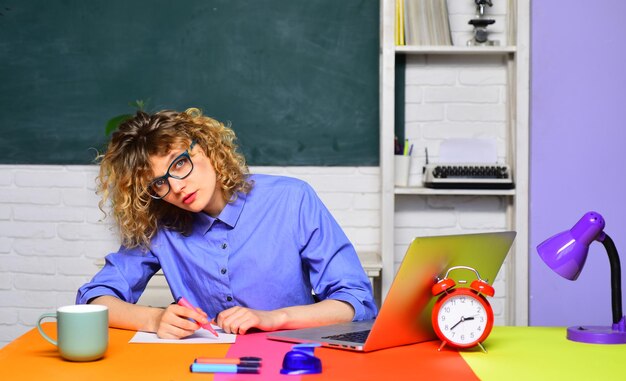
467	176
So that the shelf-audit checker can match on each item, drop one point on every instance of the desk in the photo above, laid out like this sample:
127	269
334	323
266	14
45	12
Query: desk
515	353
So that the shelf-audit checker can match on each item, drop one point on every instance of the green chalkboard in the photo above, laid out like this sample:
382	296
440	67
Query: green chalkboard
297	79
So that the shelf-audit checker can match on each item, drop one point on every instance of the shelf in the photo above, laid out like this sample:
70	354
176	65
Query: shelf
453	192
433	82
494	50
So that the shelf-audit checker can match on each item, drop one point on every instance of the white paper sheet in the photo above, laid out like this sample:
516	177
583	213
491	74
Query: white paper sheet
468	151
201	336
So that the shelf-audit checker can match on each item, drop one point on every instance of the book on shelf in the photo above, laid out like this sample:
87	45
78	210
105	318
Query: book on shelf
511	21
399	30
424	22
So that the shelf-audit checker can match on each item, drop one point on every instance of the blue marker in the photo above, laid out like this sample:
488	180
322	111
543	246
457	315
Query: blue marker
222	368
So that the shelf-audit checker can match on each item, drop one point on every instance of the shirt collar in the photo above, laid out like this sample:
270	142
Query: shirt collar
229	215
231	212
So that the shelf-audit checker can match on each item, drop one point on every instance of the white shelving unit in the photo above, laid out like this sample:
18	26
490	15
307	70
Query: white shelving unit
517	155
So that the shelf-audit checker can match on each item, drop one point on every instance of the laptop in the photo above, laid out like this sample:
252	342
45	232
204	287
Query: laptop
405	315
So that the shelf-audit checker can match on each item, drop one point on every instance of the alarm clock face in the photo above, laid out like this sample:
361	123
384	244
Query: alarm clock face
463	318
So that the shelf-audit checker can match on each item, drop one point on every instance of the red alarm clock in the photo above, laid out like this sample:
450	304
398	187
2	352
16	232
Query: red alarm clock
462	317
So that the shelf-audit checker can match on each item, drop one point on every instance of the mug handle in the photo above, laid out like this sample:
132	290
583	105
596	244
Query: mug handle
50	315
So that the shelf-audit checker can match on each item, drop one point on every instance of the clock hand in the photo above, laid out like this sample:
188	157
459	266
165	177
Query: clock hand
463	318
459	322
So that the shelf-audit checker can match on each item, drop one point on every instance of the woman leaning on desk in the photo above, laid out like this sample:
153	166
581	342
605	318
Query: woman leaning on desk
246	249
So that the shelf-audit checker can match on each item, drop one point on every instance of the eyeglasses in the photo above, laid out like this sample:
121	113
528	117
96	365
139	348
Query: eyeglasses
180	168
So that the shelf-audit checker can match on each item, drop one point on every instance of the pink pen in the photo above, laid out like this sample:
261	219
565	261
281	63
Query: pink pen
181	301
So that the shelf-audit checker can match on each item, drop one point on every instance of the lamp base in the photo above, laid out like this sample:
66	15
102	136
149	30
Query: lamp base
596	335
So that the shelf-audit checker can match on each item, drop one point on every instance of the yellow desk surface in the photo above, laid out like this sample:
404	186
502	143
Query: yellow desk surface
544	353
514	353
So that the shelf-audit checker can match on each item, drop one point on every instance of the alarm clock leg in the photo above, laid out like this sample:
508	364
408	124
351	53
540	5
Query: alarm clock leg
443	344
483	348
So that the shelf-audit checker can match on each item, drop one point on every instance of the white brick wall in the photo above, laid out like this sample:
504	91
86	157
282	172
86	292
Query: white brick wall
49	240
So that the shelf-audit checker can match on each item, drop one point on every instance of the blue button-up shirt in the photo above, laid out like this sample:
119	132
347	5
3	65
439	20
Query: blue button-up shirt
269	249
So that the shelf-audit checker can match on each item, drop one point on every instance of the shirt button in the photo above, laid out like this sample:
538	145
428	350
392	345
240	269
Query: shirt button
223	271
229	298
224	246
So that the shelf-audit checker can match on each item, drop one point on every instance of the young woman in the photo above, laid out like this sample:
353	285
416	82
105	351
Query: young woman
251	251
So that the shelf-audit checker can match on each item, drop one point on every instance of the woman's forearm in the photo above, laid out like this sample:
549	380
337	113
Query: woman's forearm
130	316
326	312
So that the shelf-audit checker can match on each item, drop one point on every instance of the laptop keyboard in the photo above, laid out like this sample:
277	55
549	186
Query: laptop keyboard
357	337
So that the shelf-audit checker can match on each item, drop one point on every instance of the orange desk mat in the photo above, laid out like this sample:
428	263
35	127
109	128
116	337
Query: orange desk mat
31	357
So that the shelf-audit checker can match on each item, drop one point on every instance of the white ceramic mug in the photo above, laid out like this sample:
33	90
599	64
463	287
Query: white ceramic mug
82	331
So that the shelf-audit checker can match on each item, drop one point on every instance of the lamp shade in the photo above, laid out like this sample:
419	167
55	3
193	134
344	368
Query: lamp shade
566	252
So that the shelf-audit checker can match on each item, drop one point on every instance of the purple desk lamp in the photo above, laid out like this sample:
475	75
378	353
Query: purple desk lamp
566	254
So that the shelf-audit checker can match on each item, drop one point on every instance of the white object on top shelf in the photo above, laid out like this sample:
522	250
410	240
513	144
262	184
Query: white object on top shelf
468	151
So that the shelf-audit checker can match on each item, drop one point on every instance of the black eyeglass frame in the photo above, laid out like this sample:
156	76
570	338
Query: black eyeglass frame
167	174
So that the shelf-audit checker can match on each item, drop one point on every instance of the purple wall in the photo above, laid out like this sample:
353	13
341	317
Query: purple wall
578	149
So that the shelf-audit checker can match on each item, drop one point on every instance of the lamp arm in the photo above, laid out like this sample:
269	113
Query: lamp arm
616	278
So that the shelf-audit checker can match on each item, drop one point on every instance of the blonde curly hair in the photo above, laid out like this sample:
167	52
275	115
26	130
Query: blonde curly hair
125	170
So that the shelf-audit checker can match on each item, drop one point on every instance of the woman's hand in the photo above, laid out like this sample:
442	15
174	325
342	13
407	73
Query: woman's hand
174	322
240	319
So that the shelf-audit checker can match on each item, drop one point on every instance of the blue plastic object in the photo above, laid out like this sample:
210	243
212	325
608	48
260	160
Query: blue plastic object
301	360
